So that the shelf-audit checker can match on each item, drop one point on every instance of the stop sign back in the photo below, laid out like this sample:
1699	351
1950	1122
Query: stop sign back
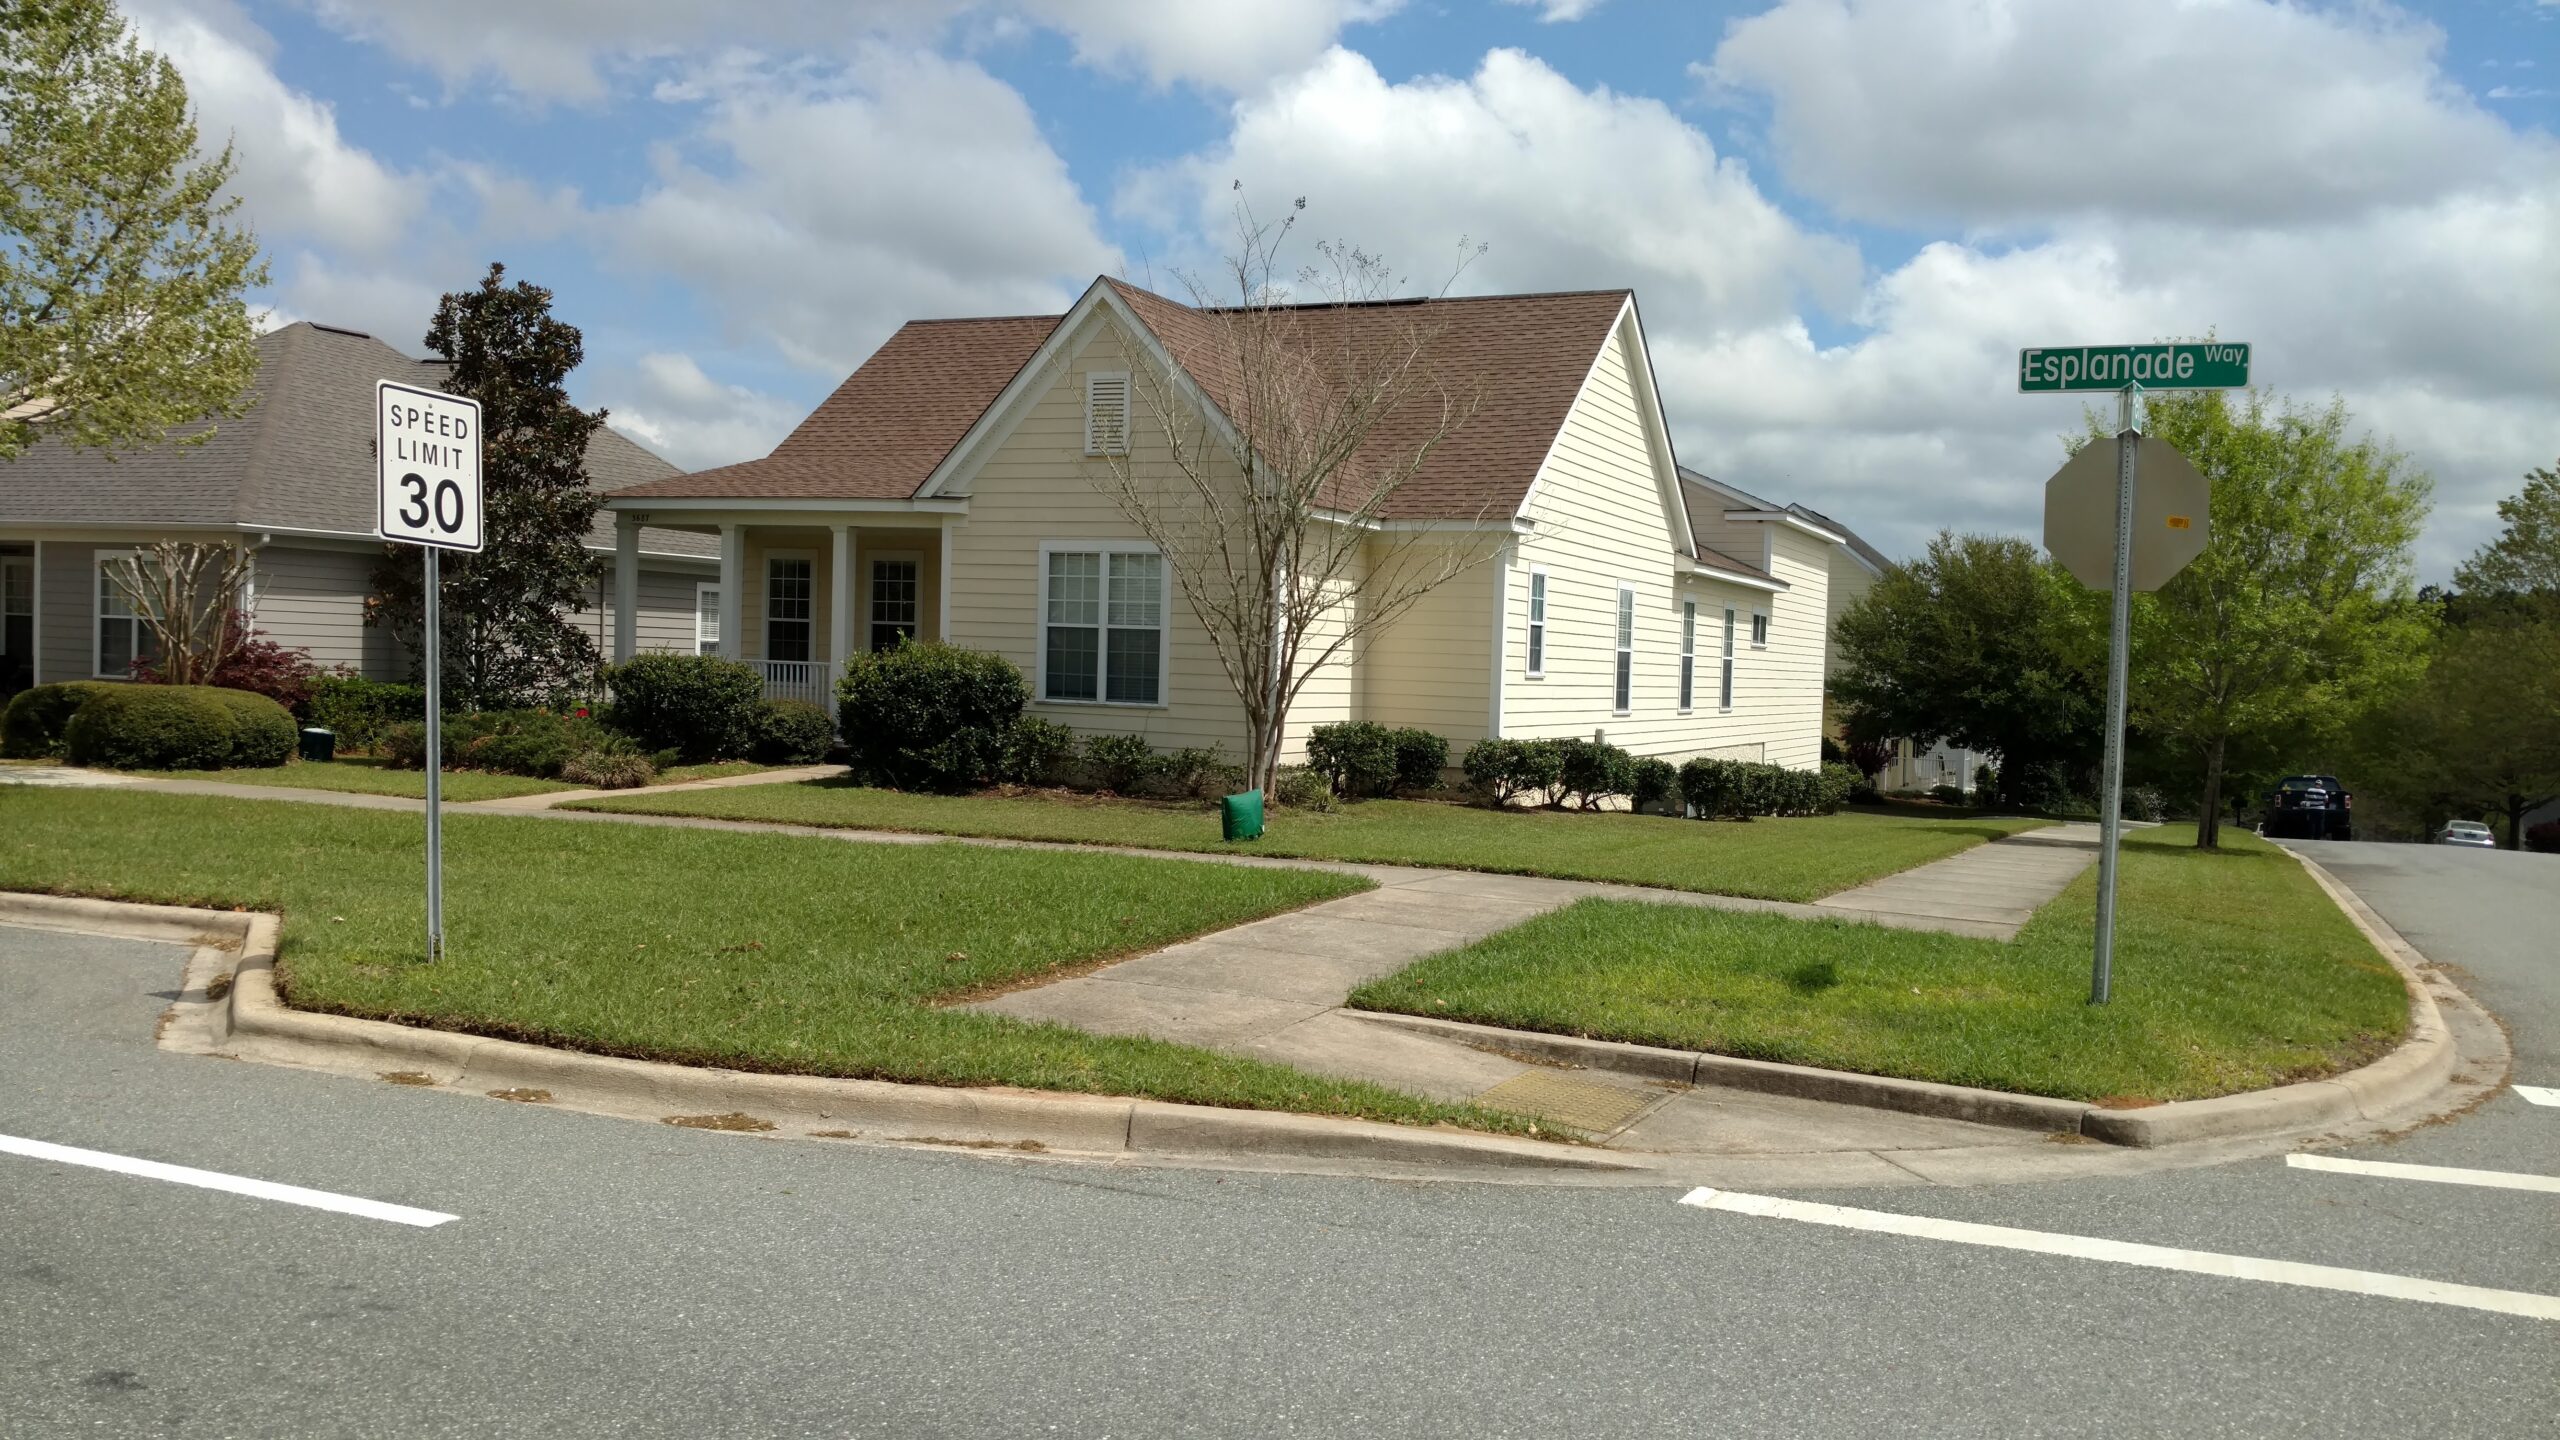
2171	523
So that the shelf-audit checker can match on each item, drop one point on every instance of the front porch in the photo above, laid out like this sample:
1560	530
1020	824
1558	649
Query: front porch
800	593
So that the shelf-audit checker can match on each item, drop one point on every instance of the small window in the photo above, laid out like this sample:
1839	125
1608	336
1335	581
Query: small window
1537	623
1759	630
122	637
790	607
1688	654
1625	697
1106	412
893	601
706	619
1724	688
1103	627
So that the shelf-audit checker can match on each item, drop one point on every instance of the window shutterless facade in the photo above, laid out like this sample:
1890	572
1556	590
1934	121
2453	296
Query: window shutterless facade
1102	624
1759	629
895	580
1623	699
1688	654
790	607
121	637
706	619
1537	624
1724	686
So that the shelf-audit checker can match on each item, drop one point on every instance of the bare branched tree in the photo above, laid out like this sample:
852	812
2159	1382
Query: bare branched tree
1287	432
184	592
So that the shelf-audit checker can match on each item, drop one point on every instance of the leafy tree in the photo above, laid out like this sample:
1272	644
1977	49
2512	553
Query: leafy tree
507	641
2525	560
186	593
2300	615
120	275
1983	642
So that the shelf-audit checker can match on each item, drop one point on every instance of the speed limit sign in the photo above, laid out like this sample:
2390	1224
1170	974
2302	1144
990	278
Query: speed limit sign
426	447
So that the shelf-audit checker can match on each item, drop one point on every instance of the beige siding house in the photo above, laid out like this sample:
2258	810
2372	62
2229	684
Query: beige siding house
950	489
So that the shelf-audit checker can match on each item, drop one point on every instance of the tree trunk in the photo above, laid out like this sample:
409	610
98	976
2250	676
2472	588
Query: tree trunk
2209	813
2515	820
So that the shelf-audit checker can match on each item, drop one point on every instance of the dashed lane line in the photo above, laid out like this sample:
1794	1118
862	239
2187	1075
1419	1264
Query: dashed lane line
216	1180
2538	1094
2121	1252
2440	1174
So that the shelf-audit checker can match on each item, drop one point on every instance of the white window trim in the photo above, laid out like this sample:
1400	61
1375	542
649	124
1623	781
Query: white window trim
1688	655
98	562
1724	677
1128	403
701	588
1534	657
764	604
1040	625
1759	628
1622	622
862	609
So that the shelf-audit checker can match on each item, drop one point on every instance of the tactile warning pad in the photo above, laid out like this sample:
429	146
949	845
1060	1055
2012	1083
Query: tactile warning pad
1586	1105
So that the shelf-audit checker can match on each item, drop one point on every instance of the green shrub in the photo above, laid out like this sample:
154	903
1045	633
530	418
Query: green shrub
703	707
791	732
928	716
1838	783
151	727
2141	802
1421	757
1503	770
263	734
1356	757
624	769
1946	794
33	726
534	743
1301	789
1593	772
1121	763
1986	781
1197	772
1707	787
360	711
1034	751
1656	784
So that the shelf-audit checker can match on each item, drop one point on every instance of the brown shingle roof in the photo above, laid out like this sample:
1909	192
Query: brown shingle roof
889	424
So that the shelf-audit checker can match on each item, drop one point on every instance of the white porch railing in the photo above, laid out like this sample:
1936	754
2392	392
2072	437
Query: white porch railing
798	680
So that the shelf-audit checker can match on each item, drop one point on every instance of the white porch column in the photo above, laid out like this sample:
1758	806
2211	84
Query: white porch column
942	599
626	586
840	645
733	584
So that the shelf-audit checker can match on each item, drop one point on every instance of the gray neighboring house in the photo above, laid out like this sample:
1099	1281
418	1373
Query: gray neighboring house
292	479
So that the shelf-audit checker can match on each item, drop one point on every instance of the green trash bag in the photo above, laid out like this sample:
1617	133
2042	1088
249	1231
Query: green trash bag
1240	816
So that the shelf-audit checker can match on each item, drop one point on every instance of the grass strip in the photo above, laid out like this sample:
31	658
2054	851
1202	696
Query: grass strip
2233	972
757	952
1795	859
365	775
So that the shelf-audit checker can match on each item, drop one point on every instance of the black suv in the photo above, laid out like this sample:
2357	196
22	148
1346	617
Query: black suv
2314	807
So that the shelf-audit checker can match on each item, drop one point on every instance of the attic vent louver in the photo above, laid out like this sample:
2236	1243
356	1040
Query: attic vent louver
1106	413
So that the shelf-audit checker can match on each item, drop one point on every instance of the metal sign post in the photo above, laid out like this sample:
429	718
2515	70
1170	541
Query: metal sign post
426	447
2161	515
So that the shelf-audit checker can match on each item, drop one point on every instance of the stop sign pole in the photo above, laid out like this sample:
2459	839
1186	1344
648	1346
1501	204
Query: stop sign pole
426	449
2127	370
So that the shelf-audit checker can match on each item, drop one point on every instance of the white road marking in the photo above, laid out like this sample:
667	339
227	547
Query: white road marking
2441	1174
216	1180
2121	1252
2538	1094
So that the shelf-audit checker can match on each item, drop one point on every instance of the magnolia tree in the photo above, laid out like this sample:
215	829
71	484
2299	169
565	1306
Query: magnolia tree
185	593
1271	440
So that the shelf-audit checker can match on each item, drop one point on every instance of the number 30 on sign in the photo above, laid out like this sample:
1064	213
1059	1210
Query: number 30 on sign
426	447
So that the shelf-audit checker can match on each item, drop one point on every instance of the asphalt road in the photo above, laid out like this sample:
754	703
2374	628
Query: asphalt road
612	1278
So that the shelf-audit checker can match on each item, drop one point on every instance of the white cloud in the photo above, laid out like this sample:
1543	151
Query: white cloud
1573	188
669	404
1233	45
2007	112
819	216
297	176
1560	12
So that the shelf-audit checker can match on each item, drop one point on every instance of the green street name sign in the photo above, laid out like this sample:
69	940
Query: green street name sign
2221	365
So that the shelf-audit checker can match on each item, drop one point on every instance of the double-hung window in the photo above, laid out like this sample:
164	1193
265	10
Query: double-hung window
122	637
1688	654
790	607
1759	629
1624	699
893	600
1102	625
1537	623
1724	687
706	619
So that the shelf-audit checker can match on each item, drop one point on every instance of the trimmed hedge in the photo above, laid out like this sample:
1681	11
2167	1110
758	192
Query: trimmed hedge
1740	789
32	728
1035	751
790	732
1593	773
1121	764
1421	757
1504	770
360	711
178	727
703	707
535	743
1356	757
929	716
1656	785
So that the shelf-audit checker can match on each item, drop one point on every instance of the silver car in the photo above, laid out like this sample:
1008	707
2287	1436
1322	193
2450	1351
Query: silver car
2467	832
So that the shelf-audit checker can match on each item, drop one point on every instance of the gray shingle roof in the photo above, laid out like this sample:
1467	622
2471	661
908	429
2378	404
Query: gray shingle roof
300	458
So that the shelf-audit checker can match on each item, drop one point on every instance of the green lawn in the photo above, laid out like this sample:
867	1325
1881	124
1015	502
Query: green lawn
804	957
2232	972
1800	859
711	770
365	776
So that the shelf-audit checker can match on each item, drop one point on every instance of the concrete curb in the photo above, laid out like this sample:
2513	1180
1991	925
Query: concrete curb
251	1022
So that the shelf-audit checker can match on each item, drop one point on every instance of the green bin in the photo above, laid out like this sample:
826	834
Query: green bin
1240	816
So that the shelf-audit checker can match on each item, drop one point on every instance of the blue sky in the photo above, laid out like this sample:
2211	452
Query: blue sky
1841	217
